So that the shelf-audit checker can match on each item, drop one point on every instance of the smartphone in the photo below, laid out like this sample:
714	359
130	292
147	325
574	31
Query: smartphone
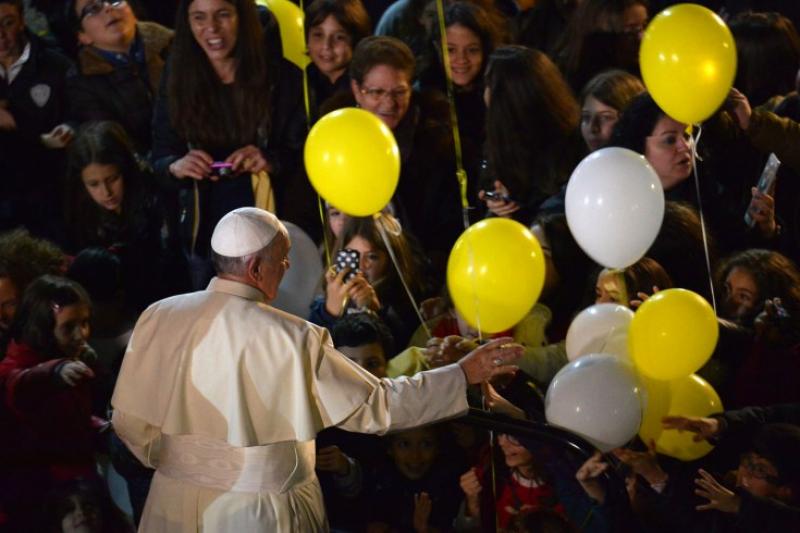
766	184
347	258
494	195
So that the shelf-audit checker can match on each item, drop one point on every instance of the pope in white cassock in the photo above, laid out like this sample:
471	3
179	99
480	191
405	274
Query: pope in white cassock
224	395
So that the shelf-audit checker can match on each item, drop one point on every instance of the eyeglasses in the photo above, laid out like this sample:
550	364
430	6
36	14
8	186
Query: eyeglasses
757	470
93	8
375	94
670	141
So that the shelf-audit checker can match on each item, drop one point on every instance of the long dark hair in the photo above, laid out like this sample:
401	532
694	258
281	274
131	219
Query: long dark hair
775	275
104	143
198	107
531	110
768	51
591	18
405	249
36	319
473	17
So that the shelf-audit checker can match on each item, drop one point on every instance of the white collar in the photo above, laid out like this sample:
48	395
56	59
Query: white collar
16	66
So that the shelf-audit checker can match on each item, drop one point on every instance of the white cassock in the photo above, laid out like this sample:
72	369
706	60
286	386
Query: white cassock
224	396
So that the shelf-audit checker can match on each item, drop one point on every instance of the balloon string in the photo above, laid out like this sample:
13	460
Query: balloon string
461	174
382	230
702	216
325	242
607	338
307	106
492	469
474	282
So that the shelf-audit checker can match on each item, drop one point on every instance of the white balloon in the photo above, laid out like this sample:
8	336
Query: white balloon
615	206
299	284
598	398
601	328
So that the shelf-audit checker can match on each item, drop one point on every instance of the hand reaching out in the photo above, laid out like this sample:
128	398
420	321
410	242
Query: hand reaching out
74	372
588	476
719	497
497	403
703	428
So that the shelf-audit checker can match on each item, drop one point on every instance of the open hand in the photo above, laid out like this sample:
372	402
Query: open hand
704	428
719	497
492	359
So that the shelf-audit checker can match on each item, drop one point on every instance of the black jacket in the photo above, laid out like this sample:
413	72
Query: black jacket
37	101
281	146
29	188
99	90
427	199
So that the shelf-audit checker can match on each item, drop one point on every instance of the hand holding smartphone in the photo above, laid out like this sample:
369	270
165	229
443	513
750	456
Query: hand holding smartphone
347	258
766	184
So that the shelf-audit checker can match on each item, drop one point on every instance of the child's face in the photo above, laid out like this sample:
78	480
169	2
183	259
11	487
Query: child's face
370	357
610	289
72	328
758	476
517	456
741	295
83	518
330	47
105	186
336	219
414	451
373	261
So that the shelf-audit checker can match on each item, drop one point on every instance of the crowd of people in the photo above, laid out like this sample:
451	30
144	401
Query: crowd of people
129	129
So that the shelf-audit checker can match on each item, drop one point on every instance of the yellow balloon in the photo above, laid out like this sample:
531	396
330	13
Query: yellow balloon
495	274
672	334
688	396
353	161
290	21
688	62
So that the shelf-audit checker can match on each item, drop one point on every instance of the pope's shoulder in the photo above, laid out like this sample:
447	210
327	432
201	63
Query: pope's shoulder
210	303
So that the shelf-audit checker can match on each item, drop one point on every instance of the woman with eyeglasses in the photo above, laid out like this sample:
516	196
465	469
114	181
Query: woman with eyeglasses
427	197
229	123
119	67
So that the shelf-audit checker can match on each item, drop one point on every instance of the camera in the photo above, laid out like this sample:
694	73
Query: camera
222	169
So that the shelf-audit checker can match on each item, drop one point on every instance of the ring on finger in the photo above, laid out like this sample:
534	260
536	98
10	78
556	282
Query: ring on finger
497	361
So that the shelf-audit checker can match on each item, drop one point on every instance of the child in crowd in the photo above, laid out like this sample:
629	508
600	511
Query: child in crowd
525	487
111	202
417	490
46	377
83	507
376	287
630	285
345	458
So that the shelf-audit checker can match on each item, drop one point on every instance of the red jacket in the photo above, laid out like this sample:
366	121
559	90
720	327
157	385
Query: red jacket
50	421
